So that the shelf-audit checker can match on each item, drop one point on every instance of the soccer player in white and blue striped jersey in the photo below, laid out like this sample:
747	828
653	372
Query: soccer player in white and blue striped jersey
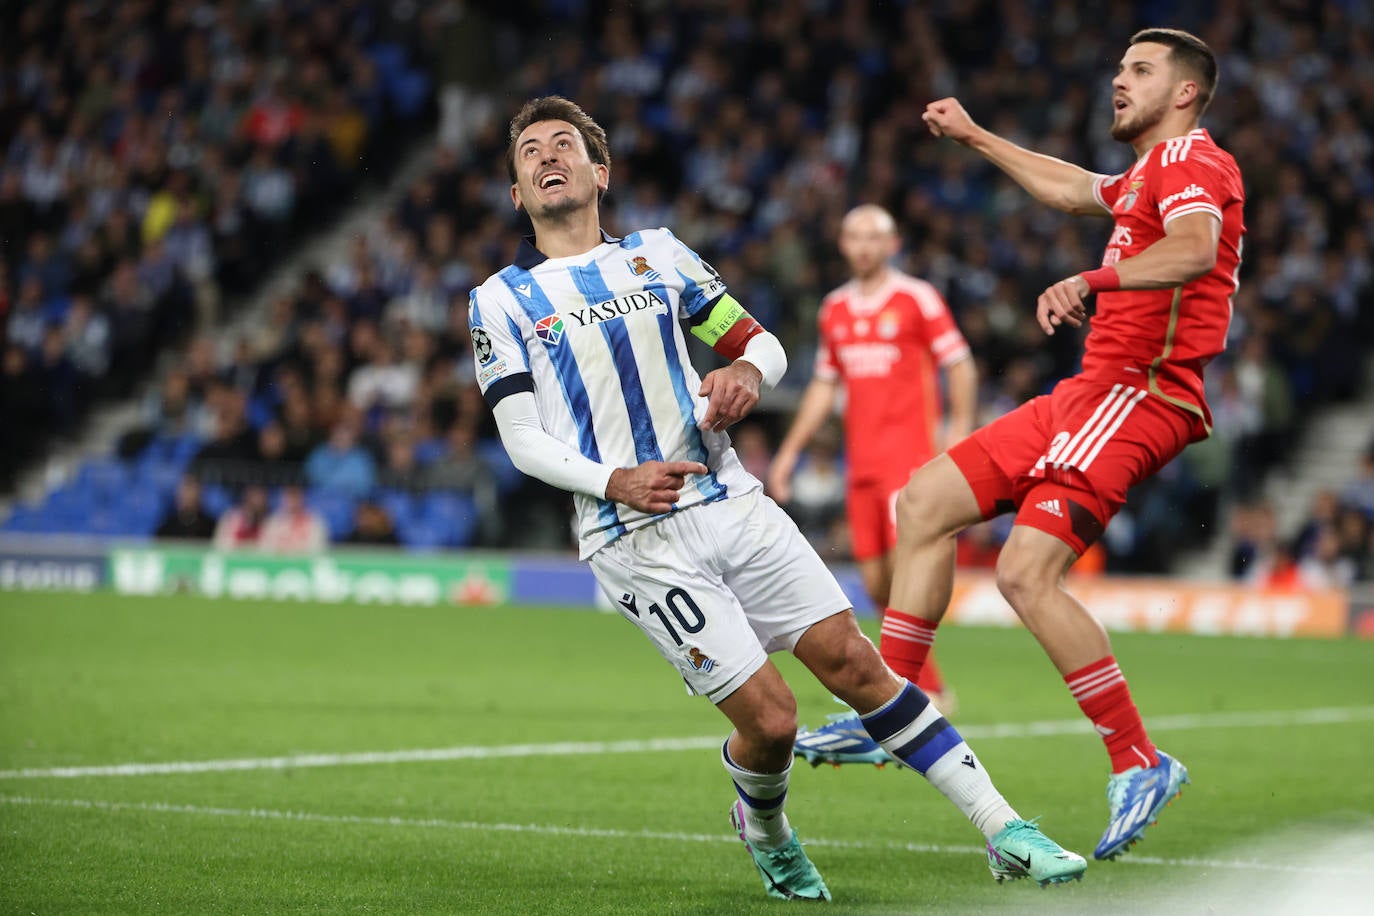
581	354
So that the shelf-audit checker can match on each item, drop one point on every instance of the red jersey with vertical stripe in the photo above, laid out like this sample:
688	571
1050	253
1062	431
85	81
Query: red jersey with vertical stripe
1163	338
886	350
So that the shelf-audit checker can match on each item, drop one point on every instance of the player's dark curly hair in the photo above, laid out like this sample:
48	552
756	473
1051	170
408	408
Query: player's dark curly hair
557	108
1191	55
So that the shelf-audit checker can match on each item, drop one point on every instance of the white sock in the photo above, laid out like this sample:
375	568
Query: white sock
971	790
910	728
763	795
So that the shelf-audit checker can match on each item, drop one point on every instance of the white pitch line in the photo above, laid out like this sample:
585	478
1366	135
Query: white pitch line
1254	719
614	834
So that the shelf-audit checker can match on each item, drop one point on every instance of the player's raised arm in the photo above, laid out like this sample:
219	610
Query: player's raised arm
1051	181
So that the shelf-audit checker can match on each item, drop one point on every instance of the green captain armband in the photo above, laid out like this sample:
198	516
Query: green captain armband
727	328
720	319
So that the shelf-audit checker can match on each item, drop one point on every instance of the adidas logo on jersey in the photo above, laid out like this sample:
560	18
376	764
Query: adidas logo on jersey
1052	507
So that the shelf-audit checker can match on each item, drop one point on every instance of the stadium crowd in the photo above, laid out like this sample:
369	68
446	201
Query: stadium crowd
156	158
750	129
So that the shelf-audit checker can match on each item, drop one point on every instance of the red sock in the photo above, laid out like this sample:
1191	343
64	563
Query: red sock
1102	694
905	646
931	681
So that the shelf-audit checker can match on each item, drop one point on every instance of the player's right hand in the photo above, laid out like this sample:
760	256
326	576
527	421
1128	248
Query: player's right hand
947	118
1062	303
779	483
653	486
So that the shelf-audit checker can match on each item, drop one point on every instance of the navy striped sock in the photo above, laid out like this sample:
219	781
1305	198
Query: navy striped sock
763	794
910	728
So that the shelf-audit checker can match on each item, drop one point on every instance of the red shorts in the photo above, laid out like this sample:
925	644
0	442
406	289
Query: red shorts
872	510
1064	461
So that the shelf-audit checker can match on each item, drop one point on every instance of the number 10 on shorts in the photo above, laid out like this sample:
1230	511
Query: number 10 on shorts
683	609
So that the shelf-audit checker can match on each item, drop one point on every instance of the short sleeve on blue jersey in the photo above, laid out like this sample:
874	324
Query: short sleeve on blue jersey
701	284
498	348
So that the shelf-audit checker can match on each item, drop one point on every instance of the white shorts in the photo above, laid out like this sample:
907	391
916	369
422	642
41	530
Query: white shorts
718	586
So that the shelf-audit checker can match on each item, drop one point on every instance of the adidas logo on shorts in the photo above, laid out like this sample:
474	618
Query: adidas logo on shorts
1052	507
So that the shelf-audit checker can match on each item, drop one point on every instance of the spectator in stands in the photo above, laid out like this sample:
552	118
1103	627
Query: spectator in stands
1359	493
341	464
383	382
372	526
459	467
293	527
186	518
1355	536
241	527
275	461
818	490
233	443
87	334
1327	567
60	380
835	137
28	318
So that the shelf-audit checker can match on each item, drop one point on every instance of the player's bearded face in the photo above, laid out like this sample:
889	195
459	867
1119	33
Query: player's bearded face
1147	110
1142	91
555	175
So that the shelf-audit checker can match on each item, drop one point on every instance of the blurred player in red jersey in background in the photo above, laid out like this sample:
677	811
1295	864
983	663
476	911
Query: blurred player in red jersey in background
884	337
1064	461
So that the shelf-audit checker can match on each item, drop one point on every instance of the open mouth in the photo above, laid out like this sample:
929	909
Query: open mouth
1120	104
553	180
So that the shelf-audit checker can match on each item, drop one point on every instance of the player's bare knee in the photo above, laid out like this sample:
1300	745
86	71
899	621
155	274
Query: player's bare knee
772	724
852	665
1023	580
918	511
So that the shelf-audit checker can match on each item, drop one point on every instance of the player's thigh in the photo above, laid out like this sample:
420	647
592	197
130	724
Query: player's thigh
661	579
946	495
774	573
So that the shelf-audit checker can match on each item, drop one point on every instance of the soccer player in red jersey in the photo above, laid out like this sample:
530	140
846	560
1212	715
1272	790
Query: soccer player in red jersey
884	338
1064	461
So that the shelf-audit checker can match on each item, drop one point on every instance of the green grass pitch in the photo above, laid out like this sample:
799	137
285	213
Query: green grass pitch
542	791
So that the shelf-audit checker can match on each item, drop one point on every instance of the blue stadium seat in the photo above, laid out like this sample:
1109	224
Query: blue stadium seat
429	451
509	478
216	499
409	91
399	504
337	510
422	534
105	476
455	514
390	60
160	476
25	520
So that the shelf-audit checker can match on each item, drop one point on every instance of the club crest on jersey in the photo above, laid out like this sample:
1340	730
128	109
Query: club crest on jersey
887	326
700	662
549	329
481	345
640	267
1128	199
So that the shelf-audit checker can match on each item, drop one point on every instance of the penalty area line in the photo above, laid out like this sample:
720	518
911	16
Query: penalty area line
1243	719
353	820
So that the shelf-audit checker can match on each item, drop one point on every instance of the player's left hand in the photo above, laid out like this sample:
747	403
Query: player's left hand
1062	303
731	392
